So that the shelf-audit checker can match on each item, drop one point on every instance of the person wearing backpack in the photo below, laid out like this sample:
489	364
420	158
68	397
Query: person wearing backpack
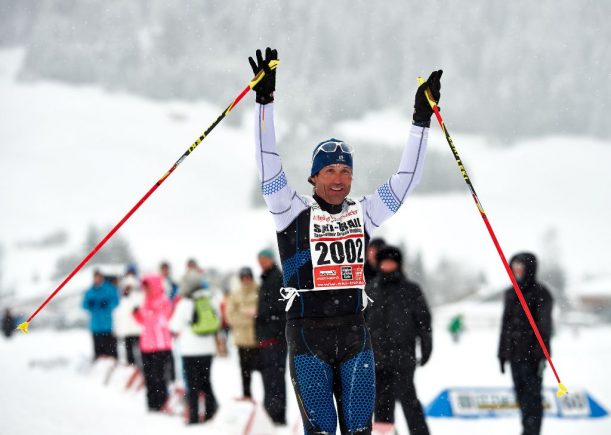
195	323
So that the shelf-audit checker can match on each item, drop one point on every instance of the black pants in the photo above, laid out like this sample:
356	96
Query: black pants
156	374
248	363
197	376
527	380
272	362
397	383
104	344
132	349
332	357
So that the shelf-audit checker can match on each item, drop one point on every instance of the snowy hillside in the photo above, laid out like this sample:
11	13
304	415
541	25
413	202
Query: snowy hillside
76	156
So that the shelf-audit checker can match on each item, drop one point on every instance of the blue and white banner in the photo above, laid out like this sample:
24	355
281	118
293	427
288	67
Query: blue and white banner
464	402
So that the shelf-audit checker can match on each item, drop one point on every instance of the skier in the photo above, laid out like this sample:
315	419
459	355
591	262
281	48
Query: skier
269	328
397	319
322	241
197	348
100	300
518	343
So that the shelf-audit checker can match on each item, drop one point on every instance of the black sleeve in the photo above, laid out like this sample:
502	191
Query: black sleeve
422	315
544	316
422	320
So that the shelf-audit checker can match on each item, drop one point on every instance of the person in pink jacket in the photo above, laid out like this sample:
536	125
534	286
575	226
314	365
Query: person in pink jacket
155	340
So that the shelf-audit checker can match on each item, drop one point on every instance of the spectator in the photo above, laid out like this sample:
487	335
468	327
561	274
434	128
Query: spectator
398	317
125	325
155	341
8	323
518	343
241	313
371	265
100	300
197	346
169	285
269	326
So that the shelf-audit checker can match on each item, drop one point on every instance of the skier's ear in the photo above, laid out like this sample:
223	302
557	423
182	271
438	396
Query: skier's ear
311	181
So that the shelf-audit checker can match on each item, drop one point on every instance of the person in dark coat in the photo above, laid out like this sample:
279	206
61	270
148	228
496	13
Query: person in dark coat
397	318
518	343
371	264
8	323
269	329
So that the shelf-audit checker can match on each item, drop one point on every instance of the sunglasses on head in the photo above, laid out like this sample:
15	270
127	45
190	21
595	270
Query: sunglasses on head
331	147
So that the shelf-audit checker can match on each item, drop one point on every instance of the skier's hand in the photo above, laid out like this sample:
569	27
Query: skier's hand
502	361
266	87
422	108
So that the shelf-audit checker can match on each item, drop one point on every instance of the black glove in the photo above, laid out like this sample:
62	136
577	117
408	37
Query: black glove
502	361
266	87
426	348
422	108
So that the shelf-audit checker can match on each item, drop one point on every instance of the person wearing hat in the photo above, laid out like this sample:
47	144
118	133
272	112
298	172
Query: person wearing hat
241	313
518	344
398	318
269	328
322	241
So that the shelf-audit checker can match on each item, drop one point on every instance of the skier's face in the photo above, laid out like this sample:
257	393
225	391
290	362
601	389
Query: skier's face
333	183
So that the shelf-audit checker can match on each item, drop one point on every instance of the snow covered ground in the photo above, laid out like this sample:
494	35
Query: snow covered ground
46	390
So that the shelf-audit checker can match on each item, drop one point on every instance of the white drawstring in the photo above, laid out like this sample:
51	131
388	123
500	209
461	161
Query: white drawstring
366	300
288	294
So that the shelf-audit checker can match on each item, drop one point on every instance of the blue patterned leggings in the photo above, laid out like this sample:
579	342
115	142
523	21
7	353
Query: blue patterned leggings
332	358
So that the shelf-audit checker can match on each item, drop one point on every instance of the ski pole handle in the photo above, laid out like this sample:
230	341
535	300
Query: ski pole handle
272	65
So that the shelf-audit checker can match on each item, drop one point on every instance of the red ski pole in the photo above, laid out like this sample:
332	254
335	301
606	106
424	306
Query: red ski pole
562	390
25	325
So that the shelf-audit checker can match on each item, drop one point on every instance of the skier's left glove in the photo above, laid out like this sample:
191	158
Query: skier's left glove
422	108
266	87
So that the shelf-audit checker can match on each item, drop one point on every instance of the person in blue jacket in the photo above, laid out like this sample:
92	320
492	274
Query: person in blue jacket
100	300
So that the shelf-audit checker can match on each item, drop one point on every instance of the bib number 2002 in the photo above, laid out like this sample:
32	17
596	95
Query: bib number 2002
348	251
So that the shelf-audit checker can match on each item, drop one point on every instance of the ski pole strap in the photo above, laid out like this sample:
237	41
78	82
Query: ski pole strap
289	294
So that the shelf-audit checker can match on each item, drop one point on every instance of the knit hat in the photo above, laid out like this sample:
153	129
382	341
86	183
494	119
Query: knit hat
321	158
191	281
245	272
377	243
267	252
389	253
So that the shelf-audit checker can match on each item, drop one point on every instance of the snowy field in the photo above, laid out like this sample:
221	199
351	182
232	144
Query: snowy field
45	388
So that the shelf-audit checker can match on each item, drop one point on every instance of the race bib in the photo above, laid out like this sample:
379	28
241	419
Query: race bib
337	244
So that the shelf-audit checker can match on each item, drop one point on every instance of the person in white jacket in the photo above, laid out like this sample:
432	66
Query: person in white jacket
126	328
196	350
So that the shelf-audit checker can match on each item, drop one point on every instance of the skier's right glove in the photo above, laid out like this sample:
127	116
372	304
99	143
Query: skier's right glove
502	361
266	87
422	108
